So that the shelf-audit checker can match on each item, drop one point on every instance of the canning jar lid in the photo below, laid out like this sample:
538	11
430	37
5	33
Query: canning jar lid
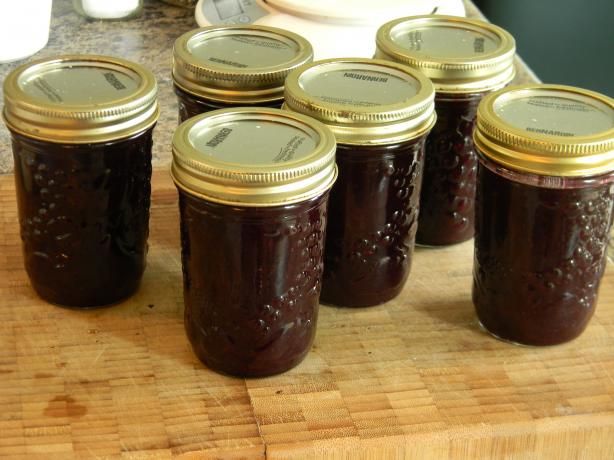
363	101
253	157
77	99
237	64
459	55
551	130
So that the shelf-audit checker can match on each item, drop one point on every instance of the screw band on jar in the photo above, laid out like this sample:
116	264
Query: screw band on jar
79	99
237	64
459	55
544	206
290	157
552	130
363	101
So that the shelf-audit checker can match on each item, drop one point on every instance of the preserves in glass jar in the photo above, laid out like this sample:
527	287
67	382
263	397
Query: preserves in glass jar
231	66
544	201
465	59
253	192
380	113
81	129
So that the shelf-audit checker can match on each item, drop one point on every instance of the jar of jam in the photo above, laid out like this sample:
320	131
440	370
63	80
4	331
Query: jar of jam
81	130
465	59
253	193
544	203
231	66
380	112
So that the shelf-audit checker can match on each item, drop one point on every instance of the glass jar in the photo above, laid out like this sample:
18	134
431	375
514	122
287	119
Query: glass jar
109	9
253	192
465	59
231	66
380	113
81	128
544	202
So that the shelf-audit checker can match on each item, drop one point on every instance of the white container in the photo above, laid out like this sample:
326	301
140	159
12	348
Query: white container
108	9
340	28
24	28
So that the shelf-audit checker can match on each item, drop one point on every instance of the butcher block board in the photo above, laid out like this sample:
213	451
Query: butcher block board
414	378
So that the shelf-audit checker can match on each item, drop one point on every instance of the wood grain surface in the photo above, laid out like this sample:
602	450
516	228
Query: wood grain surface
414	378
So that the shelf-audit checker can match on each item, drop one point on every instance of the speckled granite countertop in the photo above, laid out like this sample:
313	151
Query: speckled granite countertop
147	40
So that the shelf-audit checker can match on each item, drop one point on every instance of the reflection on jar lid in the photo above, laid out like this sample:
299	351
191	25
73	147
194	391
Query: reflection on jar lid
80	99
459	55
253	157
363	101
238	64
548	129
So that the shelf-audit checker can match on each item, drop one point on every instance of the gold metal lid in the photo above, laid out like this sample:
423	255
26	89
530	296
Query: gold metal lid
551	130
253	157
363	101
238	64
78	99
459	55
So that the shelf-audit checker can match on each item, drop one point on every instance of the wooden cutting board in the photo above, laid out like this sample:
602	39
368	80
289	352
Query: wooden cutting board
415	378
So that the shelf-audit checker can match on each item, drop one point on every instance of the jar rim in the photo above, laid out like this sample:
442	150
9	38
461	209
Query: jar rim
77	99
440	46
268	54
553	130
363	101
289	157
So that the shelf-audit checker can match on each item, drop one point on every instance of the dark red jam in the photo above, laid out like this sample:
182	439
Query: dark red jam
448	185
190	105
252	279
540	254
84	217
372	223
